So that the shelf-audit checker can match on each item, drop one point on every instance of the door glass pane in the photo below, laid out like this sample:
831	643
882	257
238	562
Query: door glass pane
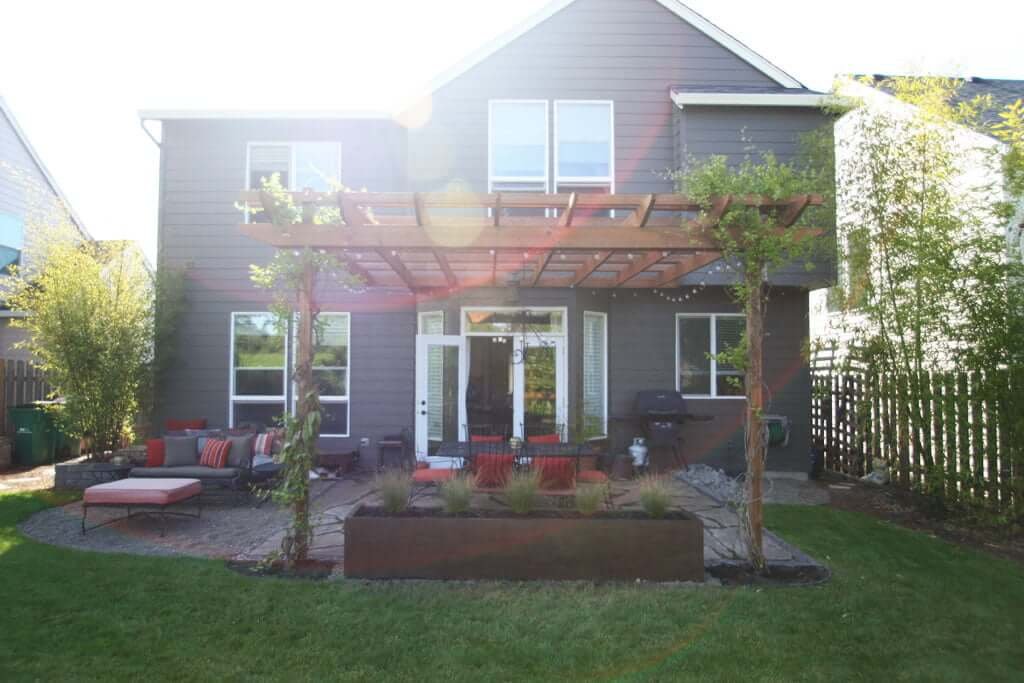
518	139
442	392
541	395
694	363
489	394
584	140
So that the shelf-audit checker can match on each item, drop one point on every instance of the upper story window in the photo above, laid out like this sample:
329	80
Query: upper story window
584	146
301	165
518	146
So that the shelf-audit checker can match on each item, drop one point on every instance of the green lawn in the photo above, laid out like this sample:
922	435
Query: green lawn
900	606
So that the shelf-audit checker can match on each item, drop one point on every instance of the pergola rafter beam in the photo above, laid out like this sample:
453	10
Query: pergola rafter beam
396	265
690	263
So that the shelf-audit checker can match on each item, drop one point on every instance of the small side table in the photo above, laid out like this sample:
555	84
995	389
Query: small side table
263	475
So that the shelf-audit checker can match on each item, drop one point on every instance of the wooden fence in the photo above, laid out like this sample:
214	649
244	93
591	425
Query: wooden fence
958	448
21	383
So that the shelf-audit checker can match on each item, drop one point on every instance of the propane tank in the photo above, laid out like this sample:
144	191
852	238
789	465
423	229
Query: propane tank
638	451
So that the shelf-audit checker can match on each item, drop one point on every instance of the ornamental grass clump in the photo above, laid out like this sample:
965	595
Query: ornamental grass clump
457	494
522	490
394	489
590	498
655	496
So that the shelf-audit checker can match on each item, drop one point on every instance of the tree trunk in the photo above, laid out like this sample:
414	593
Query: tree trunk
755	441
304	385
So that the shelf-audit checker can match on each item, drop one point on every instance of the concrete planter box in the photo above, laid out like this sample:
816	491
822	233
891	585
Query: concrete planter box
426	544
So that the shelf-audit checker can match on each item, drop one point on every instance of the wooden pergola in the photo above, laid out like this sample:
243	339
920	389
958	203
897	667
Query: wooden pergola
456	240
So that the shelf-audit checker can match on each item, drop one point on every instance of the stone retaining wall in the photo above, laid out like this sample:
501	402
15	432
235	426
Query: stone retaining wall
81	476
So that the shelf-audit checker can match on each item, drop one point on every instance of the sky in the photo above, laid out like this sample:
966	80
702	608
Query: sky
76	73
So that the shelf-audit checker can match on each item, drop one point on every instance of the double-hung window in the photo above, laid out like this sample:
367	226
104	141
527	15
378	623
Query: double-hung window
518	146
300	165
258	361
699	339
331	356
584	146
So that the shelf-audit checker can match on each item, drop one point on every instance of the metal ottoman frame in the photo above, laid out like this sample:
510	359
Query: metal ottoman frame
160	510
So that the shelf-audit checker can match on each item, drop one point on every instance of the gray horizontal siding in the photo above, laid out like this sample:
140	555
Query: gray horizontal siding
642	348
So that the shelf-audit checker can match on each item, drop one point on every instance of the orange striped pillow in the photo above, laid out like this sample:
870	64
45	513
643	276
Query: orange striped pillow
215	453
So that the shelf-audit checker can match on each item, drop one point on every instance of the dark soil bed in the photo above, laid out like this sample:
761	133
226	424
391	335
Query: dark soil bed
417	513
735	574
309	569
915	511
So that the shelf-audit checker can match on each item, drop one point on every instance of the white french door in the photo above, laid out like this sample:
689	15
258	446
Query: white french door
540	399
441	379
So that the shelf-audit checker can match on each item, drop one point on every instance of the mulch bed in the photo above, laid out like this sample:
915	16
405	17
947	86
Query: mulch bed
316	570
915	511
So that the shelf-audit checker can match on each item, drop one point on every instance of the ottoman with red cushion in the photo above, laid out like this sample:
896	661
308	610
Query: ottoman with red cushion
143	493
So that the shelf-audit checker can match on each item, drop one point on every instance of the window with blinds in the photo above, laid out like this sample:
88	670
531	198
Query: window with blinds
595	349
699	340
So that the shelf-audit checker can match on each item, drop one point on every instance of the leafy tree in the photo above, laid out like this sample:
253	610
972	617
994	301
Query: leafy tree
750	236
292	278
89	323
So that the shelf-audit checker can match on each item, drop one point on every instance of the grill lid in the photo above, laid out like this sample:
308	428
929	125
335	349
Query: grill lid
659	403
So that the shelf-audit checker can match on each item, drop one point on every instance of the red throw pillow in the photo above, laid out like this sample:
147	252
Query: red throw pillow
182	425
544	438
155	453
493	470
480	438
556	473
215	453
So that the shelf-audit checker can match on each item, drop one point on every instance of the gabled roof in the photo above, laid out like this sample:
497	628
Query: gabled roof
1003	91
6	113
679	9
310	114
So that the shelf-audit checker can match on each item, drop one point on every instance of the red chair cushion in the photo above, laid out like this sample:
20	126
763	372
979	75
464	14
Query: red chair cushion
556	473
155	453
544	438
182	425
480	438
493	470
591	477
433	476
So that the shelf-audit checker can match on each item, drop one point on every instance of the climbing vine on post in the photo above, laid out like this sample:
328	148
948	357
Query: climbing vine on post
292	277
756	237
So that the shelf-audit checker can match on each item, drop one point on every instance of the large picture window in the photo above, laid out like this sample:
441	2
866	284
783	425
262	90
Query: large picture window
258	362
331	356
518	146
699	338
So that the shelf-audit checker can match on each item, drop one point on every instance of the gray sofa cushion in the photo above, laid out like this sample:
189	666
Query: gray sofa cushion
180	451
241	450
192	472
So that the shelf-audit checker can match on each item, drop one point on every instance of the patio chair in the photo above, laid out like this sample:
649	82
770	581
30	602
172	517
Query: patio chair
395	451
491	463
488	433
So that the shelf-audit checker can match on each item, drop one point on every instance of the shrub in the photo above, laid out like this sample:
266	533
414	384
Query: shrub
522	490
394	488
655	496
456	494
590	498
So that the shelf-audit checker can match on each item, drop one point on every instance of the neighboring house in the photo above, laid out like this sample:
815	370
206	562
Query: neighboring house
588	96
979	174
29	197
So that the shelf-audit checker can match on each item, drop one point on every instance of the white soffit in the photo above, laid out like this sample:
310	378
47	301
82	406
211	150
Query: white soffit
681	99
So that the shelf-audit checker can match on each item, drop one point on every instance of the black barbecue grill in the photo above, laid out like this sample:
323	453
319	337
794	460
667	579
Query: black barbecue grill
660	415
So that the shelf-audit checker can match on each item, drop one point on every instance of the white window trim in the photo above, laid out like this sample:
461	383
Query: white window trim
290	144
540	309
713	322
491	178
232	398
587	180
604	333
422	314
347	400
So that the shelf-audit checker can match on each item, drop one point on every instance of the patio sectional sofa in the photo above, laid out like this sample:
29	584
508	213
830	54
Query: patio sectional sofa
177	456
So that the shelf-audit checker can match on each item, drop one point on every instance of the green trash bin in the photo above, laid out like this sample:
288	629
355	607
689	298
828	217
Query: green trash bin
34	435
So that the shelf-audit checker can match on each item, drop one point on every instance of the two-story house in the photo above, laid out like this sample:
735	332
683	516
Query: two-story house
589	96
29	199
